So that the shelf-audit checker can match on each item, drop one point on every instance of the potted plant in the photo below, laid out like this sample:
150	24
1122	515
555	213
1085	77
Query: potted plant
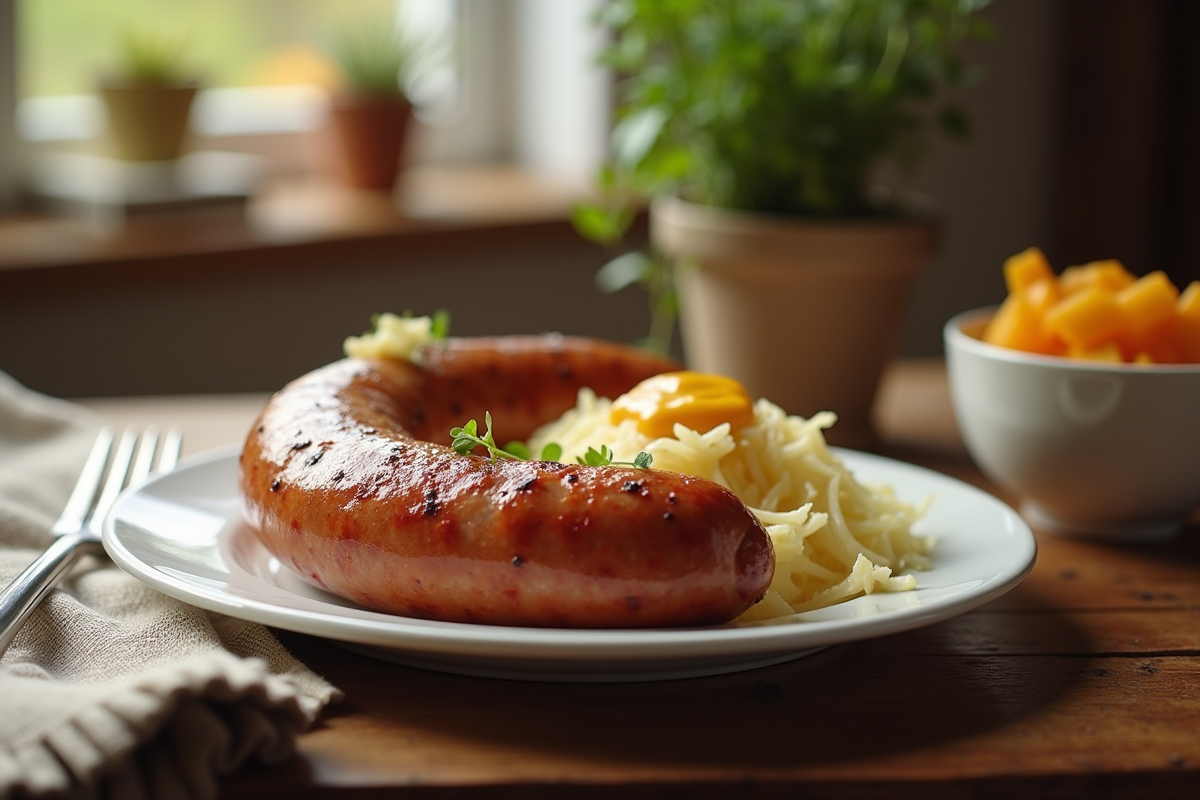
371	110
755	127
148	97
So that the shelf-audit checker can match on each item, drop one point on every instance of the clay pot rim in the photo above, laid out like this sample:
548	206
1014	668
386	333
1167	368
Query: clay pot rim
724	237
917	211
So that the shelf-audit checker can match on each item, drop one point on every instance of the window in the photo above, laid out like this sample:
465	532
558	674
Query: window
519	86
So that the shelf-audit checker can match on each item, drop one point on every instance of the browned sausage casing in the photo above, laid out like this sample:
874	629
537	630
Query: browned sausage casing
348	480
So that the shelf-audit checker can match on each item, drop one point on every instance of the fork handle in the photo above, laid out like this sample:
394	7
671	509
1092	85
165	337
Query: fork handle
22	596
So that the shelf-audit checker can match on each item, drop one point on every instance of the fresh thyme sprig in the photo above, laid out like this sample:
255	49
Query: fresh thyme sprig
604	458
466	438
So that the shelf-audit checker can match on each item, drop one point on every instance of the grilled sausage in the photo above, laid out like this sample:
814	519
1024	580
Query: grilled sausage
347	479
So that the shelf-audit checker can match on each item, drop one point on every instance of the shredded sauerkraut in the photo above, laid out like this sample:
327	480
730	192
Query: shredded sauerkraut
394	336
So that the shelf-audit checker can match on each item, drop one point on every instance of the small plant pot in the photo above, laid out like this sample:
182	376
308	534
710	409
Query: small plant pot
148	122
805	313
370	133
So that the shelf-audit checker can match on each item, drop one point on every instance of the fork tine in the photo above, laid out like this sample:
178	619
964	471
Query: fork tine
172	445
145	456
168	454
117	471
80	502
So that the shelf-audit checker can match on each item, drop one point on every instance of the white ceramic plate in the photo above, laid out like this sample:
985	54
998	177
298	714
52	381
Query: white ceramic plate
182	533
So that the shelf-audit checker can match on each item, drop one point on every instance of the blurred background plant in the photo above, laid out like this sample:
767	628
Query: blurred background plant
148	56
377	59
782	107
148	95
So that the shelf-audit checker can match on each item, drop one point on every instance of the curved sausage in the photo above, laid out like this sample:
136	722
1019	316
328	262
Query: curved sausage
347	479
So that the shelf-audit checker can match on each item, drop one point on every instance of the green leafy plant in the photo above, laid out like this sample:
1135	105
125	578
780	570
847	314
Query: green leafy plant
781	107
377	59
148	57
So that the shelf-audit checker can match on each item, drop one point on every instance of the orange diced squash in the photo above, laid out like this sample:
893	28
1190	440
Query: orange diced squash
1107	352
1109	275
1016	325
1148	324
1042	294
1084	319
1187	323
1098	311
1018	322
1189	300
1072	279
1147	303
1160	344
1026	268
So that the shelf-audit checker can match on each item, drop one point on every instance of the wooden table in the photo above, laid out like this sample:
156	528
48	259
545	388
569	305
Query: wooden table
1084	681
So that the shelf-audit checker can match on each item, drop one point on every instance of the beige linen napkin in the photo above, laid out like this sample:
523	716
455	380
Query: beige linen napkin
112	689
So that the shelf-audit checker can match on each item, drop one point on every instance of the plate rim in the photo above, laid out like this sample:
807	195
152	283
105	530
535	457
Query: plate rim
431	638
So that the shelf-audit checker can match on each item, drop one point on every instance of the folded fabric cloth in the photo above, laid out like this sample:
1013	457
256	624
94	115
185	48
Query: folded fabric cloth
112	689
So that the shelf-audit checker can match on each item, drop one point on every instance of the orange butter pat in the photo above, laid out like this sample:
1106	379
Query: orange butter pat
697	400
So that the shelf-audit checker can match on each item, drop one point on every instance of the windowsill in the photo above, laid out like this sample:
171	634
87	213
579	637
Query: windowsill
289	213
244	297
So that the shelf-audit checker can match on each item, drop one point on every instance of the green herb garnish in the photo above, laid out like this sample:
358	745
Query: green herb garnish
466	438
604	458
439	328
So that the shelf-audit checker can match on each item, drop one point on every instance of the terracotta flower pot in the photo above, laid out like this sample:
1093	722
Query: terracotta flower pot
804	313
148	122
370	133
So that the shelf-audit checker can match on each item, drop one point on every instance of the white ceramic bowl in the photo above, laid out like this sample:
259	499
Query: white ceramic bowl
1110	451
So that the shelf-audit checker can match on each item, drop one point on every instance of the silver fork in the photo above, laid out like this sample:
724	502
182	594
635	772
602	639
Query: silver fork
77	530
